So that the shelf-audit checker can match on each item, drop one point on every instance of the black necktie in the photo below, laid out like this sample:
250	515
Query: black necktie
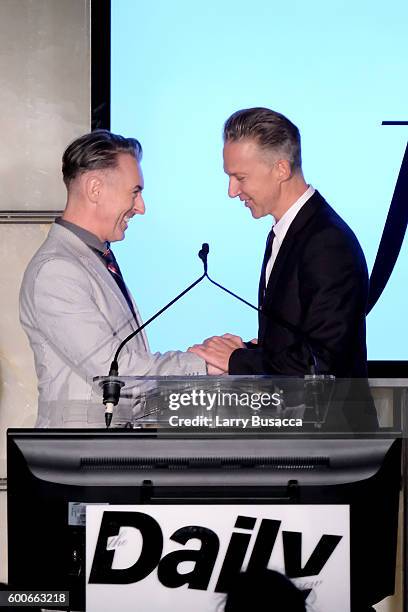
114	270
267	256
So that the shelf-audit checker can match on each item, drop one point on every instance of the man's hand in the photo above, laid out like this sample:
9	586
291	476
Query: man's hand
217	350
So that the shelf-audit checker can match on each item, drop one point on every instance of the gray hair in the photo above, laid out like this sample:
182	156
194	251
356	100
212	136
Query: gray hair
272	131
97	150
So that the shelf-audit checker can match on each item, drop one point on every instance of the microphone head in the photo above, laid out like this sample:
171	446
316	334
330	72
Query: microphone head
203	252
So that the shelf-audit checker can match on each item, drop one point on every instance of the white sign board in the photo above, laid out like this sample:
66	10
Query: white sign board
179	557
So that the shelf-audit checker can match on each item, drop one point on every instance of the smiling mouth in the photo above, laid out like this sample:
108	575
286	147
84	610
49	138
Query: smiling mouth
126	220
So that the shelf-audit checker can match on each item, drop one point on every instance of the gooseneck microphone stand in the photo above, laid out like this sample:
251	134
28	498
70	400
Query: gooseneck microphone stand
111	385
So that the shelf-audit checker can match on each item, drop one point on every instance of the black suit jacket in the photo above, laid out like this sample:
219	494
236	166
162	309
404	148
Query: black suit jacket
315	301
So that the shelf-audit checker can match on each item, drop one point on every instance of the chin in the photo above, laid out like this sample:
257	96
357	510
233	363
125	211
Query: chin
117	236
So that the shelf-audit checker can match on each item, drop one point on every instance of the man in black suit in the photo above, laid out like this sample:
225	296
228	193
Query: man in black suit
313	288
314	282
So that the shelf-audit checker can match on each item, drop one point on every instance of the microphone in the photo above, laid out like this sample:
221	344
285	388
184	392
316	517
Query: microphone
203	254
111	386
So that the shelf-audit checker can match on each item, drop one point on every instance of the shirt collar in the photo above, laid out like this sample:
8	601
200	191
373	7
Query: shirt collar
281	227
90	239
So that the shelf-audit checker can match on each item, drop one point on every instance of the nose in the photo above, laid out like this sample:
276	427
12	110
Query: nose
233	187
139	206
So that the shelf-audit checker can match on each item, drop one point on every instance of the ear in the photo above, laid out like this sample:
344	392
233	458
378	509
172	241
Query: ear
283	170
93	184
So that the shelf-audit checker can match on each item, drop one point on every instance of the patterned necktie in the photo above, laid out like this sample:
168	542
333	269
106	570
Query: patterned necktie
113	267
267	256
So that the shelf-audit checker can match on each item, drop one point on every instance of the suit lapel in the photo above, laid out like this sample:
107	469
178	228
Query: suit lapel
93	262
267	254
300	221
96	268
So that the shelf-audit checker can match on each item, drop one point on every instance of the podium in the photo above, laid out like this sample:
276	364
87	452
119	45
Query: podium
293	474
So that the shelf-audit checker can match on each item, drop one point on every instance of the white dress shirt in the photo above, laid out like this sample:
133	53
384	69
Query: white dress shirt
281	227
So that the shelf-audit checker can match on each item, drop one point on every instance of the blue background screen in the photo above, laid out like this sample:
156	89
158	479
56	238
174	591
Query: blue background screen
180	68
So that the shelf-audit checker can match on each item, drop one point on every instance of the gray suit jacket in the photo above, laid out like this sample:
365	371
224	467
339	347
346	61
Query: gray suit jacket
75	316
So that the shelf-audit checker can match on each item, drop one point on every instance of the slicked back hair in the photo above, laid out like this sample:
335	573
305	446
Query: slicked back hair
97	150
272	131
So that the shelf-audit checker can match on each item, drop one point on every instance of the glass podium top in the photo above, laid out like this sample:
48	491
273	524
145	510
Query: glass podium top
256	404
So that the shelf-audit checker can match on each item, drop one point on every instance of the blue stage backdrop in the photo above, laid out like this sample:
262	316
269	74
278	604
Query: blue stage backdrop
180	68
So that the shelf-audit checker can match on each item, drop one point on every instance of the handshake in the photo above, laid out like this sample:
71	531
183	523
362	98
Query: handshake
217	350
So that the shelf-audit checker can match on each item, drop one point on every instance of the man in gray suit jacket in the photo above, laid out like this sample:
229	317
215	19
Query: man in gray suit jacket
74	304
